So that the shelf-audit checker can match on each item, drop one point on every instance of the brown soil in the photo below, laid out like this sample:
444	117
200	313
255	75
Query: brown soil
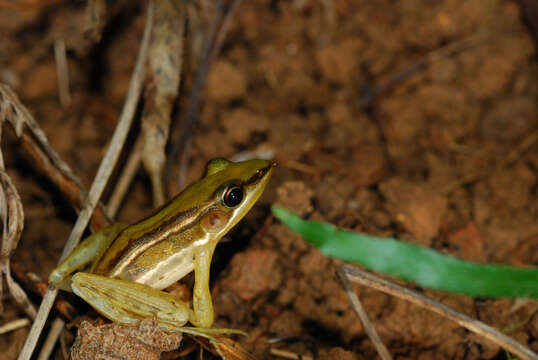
436	160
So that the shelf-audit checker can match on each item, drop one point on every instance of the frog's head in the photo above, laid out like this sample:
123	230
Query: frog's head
231	189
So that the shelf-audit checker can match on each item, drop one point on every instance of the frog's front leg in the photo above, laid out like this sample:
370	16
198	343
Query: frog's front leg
202	302
89	250
127	302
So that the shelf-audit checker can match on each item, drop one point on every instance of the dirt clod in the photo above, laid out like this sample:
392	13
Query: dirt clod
144	341
253	273
296	197
416	208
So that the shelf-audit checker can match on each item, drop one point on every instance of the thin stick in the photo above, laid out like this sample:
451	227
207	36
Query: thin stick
63	73
224	28
445	51
512	156
362	315
191	113
52	337
32	282
129	171
14	325
288	354
105	169
478	327
43	155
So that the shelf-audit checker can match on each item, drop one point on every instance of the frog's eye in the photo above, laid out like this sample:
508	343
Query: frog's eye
232	196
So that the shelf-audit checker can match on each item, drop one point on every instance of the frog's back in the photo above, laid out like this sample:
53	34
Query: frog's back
159	244
158	250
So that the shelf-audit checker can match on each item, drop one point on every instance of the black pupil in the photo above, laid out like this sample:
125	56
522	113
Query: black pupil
233	197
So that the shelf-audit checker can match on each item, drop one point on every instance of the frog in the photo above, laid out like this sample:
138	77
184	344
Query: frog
122	270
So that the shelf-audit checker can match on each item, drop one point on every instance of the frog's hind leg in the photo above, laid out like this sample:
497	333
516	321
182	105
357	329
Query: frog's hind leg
127	302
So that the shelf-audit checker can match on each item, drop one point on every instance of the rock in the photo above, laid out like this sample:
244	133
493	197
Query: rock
469	243
253	273
143	341
296	197
415	207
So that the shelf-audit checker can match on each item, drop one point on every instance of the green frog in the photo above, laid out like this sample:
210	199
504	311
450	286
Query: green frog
121	270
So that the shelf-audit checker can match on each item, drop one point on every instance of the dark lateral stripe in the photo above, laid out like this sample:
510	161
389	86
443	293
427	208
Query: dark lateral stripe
135	242
177	220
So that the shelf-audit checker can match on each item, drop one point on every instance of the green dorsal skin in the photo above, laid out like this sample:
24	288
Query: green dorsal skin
216	165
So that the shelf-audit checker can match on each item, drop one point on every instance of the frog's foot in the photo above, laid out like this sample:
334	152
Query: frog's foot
211	334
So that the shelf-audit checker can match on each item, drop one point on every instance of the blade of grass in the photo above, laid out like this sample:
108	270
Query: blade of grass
422	265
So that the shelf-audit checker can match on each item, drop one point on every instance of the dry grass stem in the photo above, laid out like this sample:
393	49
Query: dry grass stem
512	156
43	155
14	325
52	337
95	19
260	152
63	73
224	28
363	316
191	113
20	118
35	284
104	172
127	174
289	355
228	347
13	222
451	49
165	63
478	327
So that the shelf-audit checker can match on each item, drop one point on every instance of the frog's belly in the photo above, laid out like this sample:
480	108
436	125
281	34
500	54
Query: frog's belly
160	270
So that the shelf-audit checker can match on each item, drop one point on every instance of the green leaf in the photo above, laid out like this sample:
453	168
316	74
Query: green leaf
419	264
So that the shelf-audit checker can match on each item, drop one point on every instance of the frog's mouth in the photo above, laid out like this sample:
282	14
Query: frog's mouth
262	174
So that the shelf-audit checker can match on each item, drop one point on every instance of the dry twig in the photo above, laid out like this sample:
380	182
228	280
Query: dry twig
362	315
164	74
43	155
52	337
228	347
63	72
11	210
370	94
13	325
13	222
95	19
105	169
288	354
478	327
481	173
127	174
36	285
191	113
